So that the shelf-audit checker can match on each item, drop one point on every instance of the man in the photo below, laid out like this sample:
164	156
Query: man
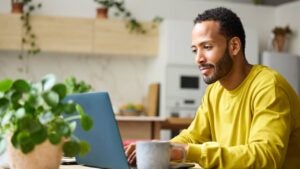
249	116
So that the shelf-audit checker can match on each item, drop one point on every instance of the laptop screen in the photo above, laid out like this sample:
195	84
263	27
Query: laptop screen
104	138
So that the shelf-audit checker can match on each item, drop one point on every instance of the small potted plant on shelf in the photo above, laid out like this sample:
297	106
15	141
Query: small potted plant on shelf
280	35
35	117
105	5
16	6
118	6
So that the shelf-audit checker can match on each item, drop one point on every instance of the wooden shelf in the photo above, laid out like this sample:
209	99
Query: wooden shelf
10	32
175	123
112	37
79	35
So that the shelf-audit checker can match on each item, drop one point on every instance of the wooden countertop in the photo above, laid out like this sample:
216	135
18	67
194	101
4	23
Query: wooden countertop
175	123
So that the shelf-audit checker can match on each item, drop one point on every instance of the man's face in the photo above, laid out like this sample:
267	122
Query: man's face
211	50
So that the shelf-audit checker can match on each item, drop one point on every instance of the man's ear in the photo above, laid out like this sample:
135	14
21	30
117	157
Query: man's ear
234	46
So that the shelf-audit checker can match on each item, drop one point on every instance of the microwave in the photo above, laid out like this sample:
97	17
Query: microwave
184	90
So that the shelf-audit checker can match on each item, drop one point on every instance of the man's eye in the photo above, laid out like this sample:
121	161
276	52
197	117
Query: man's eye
194	50
207	47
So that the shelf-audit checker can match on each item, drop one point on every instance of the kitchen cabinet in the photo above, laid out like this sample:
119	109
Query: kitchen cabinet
80	35
112	37
10	32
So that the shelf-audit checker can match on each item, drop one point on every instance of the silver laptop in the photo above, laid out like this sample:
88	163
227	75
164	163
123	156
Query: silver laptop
106	145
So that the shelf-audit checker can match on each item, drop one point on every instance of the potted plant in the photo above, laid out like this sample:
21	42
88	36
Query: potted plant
105	5
17	6
280	36
35	114
132	24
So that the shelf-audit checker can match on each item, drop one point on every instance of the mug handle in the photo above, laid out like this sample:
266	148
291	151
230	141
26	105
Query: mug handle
181	148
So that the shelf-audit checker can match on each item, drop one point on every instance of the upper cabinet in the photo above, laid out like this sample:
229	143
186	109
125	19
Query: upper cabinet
112	37
10	32
80	35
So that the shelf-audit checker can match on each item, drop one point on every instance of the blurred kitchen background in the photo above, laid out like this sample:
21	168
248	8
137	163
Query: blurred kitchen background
127	76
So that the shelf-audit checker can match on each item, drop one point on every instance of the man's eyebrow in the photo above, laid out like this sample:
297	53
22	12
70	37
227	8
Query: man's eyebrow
201	43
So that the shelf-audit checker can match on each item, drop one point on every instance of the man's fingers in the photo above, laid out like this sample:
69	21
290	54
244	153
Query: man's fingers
132	158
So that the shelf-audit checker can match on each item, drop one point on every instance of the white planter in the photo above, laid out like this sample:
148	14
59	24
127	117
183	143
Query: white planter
44	156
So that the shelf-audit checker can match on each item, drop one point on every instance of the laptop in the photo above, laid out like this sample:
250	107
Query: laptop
104	138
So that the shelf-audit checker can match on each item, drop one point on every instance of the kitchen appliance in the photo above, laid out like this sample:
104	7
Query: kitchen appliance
184	90
286	64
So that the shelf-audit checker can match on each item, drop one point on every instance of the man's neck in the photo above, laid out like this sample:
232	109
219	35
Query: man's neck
236	76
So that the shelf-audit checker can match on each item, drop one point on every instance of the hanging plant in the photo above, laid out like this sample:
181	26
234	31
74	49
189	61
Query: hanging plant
29	44
132	24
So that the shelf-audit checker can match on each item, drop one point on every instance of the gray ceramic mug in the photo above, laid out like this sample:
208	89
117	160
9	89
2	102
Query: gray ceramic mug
153	154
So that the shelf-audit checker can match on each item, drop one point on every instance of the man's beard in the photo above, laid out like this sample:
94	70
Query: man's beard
221	68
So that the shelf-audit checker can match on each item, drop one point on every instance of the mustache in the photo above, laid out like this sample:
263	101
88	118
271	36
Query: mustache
207	65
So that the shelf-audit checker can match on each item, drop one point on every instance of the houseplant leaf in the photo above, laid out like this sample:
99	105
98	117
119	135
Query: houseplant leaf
60	89
51	98
71	148
5	85
86	122
21	86
84	148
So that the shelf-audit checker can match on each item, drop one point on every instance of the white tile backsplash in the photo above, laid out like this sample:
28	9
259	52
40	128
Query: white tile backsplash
123	77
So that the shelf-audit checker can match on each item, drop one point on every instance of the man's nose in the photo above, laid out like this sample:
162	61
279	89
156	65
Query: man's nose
199	57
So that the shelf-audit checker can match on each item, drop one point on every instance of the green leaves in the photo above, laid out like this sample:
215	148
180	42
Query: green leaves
72	148
23	141
86	121
73	86
51	98
84	148
21	86
5	85
34	112
29	133
60	89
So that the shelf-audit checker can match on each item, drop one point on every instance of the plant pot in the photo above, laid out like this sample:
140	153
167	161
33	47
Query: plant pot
102	13
44	156
16	7
279	42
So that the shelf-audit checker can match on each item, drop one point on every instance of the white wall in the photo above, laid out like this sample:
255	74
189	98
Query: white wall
122	77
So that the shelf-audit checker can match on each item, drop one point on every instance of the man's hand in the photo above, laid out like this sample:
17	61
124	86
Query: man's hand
130	152
178	152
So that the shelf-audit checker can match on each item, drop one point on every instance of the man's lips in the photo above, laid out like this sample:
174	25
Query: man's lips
205	69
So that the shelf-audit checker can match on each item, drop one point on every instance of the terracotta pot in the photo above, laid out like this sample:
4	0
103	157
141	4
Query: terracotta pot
279	42
17	7
44	156
102	13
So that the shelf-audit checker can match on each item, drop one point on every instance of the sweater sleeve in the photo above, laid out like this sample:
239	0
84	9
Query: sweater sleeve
267	143
199	129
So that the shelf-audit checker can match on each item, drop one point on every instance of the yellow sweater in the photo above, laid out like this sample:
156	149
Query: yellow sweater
256	125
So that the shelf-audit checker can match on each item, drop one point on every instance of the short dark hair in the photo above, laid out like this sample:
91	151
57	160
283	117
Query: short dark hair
230	24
